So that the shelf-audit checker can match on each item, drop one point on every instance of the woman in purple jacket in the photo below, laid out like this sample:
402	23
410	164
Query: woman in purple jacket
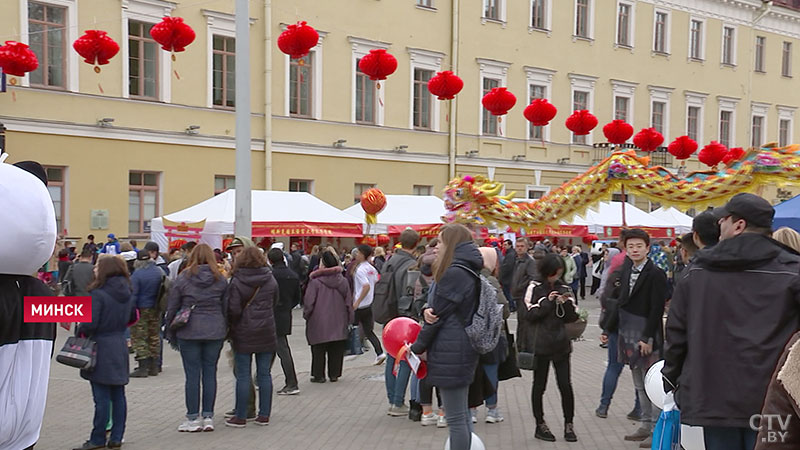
328	312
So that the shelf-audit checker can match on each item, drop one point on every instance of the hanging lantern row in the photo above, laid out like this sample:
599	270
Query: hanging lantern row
378	65
17	59
648	139
581	122
445	85
618	131
712	154
733	155
96	47
540	112
172	34
297	40
499	101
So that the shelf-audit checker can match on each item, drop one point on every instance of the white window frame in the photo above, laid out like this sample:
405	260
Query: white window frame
502	16
704	26
221	24
148	11
497	70
583	83
316	78
786	113
426	60
536	188
697	100
361	48
786	72
667	33
590	21
727	104
758	109
311	184
734	43
540	77
548	16
661	94
763	64
631	24
71	36
624	89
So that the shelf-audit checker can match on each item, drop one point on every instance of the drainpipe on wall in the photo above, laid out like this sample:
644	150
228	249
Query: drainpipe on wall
268	95
453	103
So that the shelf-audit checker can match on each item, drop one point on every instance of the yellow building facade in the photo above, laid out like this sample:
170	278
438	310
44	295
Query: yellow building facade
148	135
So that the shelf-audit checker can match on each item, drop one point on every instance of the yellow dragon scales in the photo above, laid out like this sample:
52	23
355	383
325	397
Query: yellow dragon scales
476	200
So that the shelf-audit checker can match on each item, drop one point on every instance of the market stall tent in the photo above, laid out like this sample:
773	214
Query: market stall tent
274	214
605	220
787	214
680	221
420	212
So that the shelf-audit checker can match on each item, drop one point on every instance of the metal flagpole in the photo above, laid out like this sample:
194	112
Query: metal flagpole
624	200
243	225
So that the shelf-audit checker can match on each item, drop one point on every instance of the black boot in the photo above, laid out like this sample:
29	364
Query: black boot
152	367
543	433
415	411
141	370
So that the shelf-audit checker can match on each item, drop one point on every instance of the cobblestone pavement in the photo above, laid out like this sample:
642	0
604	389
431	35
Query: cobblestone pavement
350	414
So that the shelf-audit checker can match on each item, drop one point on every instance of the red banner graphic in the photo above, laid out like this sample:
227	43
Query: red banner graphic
654	232
283	229
58	309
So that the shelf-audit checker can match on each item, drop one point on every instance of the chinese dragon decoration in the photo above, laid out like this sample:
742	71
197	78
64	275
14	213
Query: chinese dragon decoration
477	200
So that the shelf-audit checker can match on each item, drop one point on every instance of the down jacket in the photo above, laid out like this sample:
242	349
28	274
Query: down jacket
252	322
206	294
327	306
451	358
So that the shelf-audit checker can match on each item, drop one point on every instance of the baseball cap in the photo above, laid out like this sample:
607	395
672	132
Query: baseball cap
111	235
236	242
151	246
143	255
753	209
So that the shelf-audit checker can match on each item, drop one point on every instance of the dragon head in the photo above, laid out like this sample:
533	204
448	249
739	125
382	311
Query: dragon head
465	197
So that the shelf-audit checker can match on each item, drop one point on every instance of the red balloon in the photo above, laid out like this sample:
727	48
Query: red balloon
540	112
445	85
173	34
618	131
378	65
712	154
581	122
398	332
298	40
498	101
682	147
17	59
648	139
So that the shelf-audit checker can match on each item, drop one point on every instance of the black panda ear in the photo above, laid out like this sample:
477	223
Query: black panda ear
35	168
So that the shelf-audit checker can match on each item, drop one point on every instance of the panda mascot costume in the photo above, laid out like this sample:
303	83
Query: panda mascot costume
28	225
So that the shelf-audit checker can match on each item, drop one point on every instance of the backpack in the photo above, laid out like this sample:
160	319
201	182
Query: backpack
487	319
163	294
389	302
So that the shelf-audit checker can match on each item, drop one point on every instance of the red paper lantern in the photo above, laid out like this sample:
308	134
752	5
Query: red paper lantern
712	154
173	34
378	64
648	139
618	131
298	40
498	101
383	240
445	85
369	240
733	155
17	59
589	238
540	112
682	147
373	201
581	122
96	47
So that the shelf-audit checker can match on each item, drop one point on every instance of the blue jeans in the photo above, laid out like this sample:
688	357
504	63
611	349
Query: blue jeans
511	303
491	373
243	362
396	385
729	438
613	370
200	362
459	419
107	399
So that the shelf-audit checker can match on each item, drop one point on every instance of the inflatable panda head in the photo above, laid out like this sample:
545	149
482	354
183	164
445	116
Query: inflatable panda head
27	218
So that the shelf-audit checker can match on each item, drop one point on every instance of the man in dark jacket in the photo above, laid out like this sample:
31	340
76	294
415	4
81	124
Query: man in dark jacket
729	319
288	298
80	274
152	249
524	272
145	338
507	271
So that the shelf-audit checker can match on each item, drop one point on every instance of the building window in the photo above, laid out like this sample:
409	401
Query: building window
223	182
696	39
657	119
142	201
489	120
301	186
365	97
725	122
786	60
536	192
491	9
360	188
423	100
582	18
538	17
693	122
784	132
580	101
56	184
619	198
761	44
224	88
423	190
660	32
757	133
624	25
728	45
537	92
47	35
142	61
300	85
621	108
425	3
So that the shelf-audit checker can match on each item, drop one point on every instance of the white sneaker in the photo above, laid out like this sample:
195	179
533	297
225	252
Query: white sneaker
428	419
441	422
208	424
379	359
493	416
474	414
190	426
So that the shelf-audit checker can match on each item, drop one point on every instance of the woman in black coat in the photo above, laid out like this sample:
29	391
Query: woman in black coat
451	359
540	330
112	313
251	296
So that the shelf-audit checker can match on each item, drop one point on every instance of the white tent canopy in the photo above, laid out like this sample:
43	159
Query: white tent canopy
609	214
679	220
297	211
404	210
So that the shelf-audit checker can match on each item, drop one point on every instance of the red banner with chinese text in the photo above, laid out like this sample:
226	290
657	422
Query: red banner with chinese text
425	231
284	229
654	232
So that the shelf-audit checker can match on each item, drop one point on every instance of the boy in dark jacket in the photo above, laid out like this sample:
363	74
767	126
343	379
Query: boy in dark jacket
288	298
145	337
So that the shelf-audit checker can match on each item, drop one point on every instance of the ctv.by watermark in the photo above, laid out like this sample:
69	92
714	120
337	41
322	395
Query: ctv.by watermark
774	427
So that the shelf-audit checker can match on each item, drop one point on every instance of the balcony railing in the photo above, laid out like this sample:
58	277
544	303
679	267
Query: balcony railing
658	157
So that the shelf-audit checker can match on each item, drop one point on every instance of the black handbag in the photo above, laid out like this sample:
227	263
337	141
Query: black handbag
78	352
509	368
527	360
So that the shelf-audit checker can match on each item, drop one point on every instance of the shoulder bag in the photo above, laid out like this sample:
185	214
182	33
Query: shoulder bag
78	352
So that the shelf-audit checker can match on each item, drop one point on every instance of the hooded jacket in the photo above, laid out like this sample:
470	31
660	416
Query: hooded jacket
79	276
251	317
540	327
327	306
207	321
729	319
288	297
146	283
451	358
783	399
